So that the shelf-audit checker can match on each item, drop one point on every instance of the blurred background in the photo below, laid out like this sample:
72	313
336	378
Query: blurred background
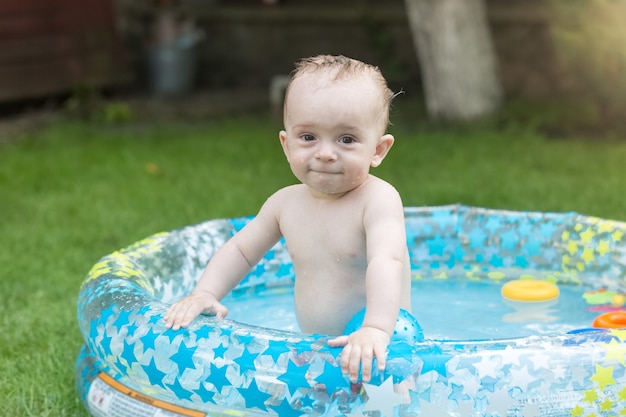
226	56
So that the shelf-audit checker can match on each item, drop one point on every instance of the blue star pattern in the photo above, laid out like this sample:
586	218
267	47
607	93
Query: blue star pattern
275	349
231	368
204	394
155	376
129	353
220	351
295	376
246	360
184	358
218	377
332	378
148	339
254	397
180	392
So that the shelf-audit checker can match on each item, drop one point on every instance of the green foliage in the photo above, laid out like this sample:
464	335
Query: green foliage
384	47
116	112
75	191
87	104
589	38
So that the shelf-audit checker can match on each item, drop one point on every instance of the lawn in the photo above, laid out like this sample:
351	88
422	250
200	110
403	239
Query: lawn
72	192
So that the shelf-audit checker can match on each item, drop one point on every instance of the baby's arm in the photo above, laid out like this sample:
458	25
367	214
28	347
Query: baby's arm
227	268
386	253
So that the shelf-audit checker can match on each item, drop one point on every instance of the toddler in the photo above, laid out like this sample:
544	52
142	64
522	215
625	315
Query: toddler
344	228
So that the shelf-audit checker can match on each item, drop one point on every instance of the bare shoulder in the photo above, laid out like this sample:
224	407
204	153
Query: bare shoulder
382	199
287	193
281	198
379	189
266	225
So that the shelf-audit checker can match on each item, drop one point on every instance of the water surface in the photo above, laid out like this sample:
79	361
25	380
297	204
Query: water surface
450	309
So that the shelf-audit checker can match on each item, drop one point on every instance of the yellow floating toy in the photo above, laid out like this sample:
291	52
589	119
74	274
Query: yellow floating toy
530	290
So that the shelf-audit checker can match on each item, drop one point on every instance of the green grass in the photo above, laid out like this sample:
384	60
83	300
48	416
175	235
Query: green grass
73	192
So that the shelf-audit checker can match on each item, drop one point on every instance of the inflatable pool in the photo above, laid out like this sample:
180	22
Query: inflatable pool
131	365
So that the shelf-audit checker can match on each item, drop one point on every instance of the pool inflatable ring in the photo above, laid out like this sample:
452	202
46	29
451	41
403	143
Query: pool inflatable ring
131	365
530	290
611	320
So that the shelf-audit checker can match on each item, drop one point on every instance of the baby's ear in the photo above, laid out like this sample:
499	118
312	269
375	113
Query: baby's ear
384	144
282	136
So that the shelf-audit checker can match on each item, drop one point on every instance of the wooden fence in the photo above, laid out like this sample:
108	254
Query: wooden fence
53	46
247	42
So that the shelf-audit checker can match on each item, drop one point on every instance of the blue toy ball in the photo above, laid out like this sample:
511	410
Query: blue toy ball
407	328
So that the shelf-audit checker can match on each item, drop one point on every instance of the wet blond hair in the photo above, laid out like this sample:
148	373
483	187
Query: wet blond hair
340	67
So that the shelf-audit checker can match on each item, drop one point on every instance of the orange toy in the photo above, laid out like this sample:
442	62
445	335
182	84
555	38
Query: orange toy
611	320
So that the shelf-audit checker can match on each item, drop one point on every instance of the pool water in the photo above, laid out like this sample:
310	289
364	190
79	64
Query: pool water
450	309
460	309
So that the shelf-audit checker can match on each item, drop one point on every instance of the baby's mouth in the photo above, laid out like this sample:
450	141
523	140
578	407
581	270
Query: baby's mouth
324	171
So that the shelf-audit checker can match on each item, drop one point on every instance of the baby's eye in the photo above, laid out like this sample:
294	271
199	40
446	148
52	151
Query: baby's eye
346	139
307	137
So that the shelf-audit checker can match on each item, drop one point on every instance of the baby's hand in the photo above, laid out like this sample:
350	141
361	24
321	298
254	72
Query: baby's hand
360	348
182	313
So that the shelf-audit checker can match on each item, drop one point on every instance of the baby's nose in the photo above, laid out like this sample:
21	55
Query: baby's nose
325	152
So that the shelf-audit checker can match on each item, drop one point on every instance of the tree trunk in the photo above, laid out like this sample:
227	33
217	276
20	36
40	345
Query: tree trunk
457	59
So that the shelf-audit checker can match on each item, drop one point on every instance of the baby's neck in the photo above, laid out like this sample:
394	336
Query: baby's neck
318	195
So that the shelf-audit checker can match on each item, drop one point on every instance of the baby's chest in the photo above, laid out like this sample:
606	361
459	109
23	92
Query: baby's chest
321	239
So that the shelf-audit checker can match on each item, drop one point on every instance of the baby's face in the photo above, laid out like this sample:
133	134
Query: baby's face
332	130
